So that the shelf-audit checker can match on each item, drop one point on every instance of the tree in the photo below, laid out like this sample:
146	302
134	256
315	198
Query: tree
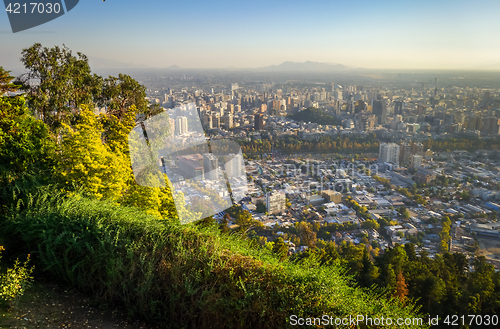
280	248
57	83
404	212
401	287
25	143
5	82
119	94
370	224
306	234
27	150
261	208
90	163
370	272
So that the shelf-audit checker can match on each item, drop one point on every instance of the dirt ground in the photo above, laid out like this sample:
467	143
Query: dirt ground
48	305
490	248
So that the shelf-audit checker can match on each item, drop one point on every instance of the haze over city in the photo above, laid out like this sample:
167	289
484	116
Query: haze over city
224	34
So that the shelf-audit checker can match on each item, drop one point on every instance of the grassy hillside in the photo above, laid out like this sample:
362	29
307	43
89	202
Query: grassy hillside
178	276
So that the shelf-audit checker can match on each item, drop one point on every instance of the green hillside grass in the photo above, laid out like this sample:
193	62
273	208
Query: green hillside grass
178	276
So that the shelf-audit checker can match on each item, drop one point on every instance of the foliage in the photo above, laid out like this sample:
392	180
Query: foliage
293	144
171	273
15	281
120	93
315	115
90	163
261	208
6	84
57	83
26	150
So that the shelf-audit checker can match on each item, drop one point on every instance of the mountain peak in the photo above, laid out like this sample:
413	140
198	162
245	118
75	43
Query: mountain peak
304	66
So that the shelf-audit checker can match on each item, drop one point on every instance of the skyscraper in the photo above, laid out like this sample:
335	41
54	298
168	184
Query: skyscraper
405	153
398	107
234	165
275	202
259	121
181	125
210	166
389	152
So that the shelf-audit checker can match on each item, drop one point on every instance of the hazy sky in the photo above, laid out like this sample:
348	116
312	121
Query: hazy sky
373	34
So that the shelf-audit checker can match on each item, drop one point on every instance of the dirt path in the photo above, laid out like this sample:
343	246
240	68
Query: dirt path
47	305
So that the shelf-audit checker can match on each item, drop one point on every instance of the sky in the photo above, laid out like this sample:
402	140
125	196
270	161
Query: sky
246	34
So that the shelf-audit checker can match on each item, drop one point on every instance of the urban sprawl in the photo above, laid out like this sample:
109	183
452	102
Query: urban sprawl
378	165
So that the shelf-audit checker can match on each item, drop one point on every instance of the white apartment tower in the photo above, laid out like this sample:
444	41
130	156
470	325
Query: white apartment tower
181	125
275	202
389	152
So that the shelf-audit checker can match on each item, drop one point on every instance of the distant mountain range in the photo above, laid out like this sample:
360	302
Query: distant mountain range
104	63
489	67
305	67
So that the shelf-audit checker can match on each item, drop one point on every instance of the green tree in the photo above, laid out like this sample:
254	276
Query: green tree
261	208
27	150
280	248
90	163
6	84
57	83
306	234
120	93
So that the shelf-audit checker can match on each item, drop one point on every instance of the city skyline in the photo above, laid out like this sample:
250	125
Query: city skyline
223	34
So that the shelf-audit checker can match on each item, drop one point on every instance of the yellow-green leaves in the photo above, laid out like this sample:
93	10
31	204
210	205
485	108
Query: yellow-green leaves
89	162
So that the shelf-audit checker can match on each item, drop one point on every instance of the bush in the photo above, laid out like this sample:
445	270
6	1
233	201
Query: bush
180	276
15	281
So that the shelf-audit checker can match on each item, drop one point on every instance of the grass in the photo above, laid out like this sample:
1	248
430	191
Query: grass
178	276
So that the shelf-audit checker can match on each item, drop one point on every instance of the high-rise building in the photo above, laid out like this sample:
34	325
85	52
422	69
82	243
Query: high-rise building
389	152
227	120
419	149
416	161
210	166
398	107
405	153
207	120
181	125
191	166
490	125
421	109
216	120
275	202
234	165
379	108
259	121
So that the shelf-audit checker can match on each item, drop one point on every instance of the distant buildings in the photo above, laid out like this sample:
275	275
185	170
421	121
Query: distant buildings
211	166
416	161
191	166
234	165
389	152
332	196
259	121
275	202
405	152
424	176
181	125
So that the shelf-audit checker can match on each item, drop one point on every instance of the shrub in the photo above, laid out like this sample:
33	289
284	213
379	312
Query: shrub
15	281
181	276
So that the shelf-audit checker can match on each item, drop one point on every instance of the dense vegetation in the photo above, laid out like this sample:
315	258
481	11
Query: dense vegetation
69	199
291	144
315	115
179	275
467	144
446	284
